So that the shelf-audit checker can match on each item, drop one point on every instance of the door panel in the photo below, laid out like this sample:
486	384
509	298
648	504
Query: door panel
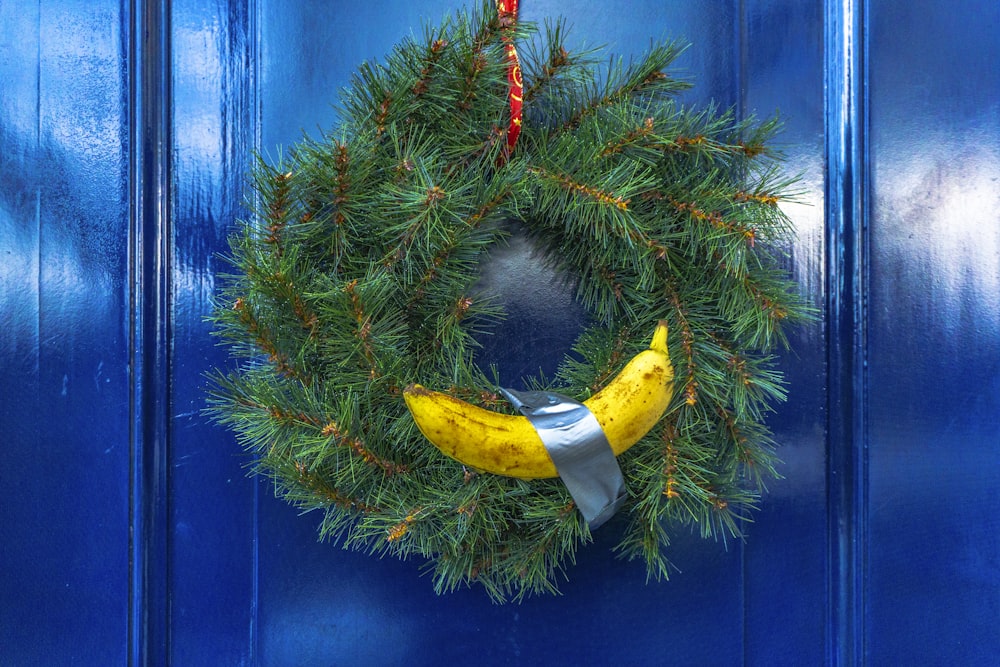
607	612
211	555
320	603
785	569
934	341
64	417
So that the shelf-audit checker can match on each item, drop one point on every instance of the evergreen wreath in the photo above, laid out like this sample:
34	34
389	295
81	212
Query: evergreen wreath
355	276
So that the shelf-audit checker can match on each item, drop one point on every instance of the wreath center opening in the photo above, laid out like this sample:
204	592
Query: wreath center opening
541	317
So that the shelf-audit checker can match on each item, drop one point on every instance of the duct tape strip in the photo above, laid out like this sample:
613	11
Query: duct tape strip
582	455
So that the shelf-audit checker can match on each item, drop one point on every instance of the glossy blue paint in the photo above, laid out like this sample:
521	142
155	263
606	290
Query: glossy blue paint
64	337
786	555
212	564
132	533
846	327
933	570
150	276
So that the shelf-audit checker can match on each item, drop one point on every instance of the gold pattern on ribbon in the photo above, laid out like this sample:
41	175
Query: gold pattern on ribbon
507	13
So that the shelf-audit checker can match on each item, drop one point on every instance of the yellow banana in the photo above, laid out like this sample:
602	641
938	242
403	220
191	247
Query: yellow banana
627	408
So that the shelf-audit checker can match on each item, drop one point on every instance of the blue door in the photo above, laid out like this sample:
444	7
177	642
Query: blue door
131	531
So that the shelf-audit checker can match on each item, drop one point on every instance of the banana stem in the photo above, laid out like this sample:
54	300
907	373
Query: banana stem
659	342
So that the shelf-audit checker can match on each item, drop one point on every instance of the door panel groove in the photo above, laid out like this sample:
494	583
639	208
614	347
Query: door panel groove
149	285
846	217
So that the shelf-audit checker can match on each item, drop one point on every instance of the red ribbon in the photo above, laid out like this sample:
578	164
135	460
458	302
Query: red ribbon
507	12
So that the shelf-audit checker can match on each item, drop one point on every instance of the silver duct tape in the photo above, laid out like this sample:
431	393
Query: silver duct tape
579	449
